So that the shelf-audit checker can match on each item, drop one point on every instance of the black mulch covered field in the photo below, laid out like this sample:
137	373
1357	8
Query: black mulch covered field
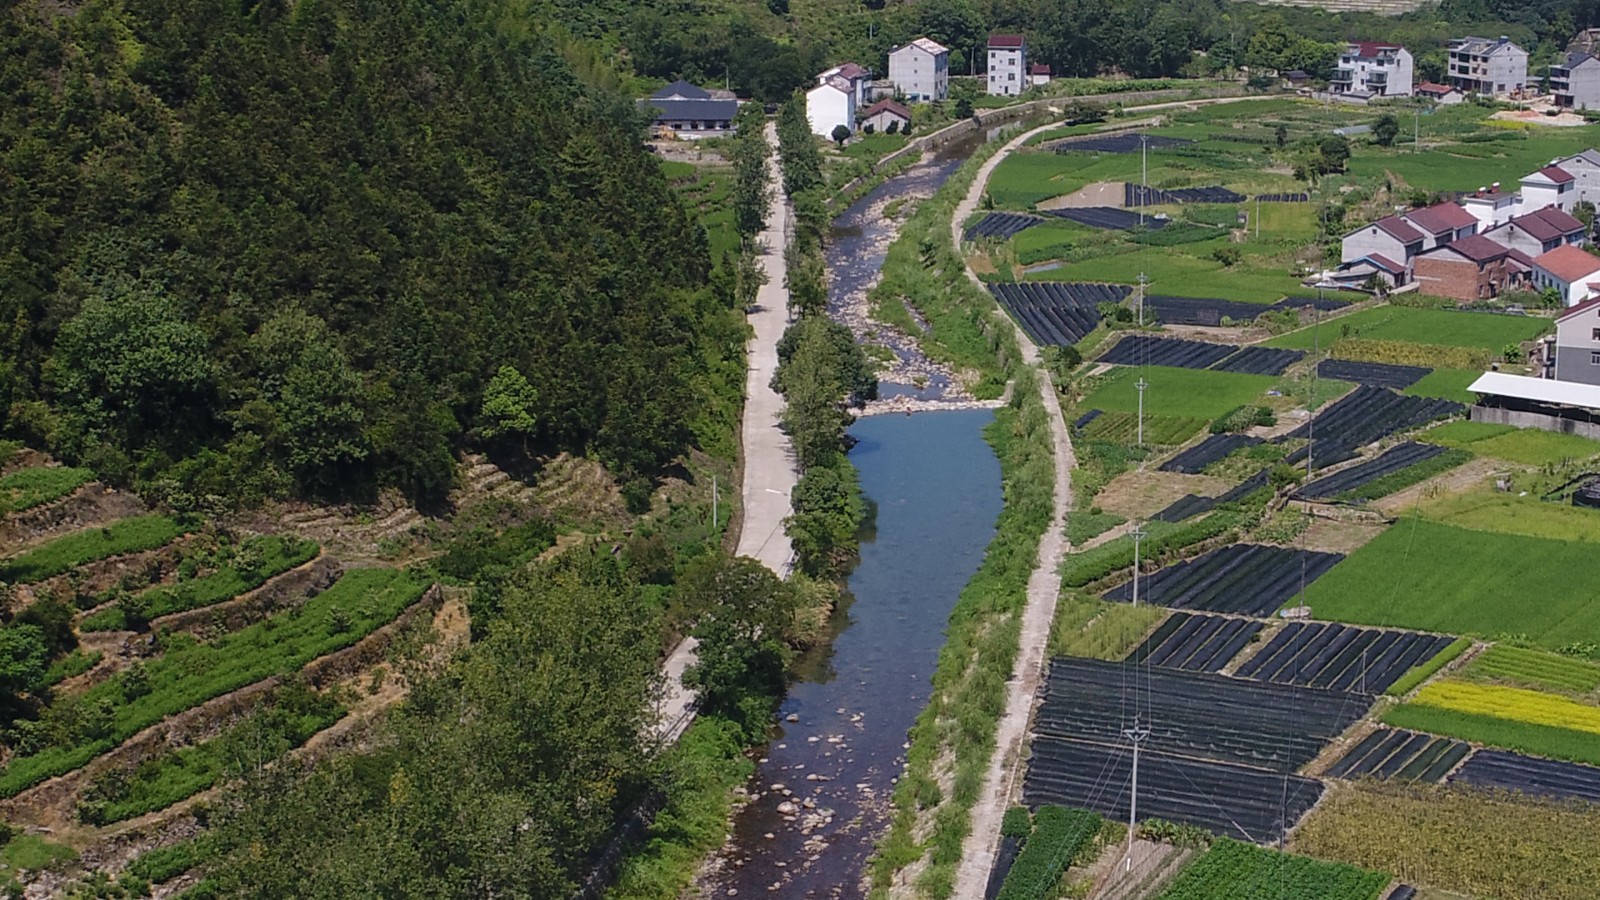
1301	197
1259	361
1142	195
1054	313
1001	225
1393	753
1108	218
1141	350
1539	777
1195	643
1086	418
1195	459
1361	417
1397	458
1127	142
1341	657
1184	507
1374	374
1217	752
1202	310
1244	579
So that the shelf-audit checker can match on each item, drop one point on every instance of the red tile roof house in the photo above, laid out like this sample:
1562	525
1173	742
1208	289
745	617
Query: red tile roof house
1440	93
1470	268
1539	231
1569	270
1550	186
880	114
1441	223
1391	237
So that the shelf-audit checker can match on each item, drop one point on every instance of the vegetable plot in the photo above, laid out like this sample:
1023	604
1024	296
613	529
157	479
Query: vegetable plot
1402	755
1058	835
1361	417
1054	314
1259	361
1195	643
1348	481
1536	777
1139	350
1000	225
1245	579
1234	871
1194	460
1319	654
1268	726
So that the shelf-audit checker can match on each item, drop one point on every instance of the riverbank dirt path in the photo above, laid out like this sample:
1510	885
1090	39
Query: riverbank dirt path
1044	585
769	469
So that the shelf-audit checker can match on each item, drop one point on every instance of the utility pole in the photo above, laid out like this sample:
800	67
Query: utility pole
1138	734
1138	301
1258	217
1416	131
713	502
1138	534
1141	384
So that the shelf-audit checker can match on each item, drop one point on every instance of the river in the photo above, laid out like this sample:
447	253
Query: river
821	795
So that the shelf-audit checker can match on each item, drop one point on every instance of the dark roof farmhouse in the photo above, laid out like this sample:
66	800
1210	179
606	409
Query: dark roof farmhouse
689	111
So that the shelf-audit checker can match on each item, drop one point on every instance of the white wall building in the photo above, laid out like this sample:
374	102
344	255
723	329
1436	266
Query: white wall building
1008	64
1550	186
831	104
1482	66
1491	206
1585	168
1570	270
1370	67
920	70
860	80
1576	82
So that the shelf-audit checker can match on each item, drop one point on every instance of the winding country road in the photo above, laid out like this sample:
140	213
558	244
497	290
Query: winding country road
769	469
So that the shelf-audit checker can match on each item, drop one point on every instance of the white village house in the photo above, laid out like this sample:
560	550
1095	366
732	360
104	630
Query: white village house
920	70
1008	64
885	112
1494	68
1571	270
1575	82
1373	68
831	104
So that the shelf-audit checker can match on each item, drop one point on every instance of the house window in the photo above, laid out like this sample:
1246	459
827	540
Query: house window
1594	335
1594	358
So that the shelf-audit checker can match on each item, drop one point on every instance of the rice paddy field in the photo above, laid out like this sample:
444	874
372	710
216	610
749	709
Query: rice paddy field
1436	577
1508	513
1451	384
1188	393
1518	445
1421	326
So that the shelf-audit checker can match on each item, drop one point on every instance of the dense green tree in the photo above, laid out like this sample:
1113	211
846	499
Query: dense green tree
1385	130
745	619
509	405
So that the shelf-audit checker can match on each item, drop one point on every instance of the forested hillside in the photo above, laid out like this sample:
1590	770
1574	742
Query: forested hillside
254	249
766	48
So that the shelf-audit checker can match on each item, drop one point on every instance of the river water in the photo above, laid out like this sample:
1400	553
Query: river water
820	797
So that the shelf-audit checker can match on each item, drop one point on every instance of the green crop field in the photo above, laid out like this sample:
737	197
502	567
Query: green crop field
1465	167
189	673
1189	393
1504	731
1179	274
1123	428
1232	870
1451	384
63	554
270	556
1421	326
26	488
1536	669
1434	577
1508	513
1521	445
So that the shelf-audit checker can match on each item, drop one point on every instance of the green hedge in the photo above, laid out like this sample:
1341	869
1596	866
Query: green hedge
1058	835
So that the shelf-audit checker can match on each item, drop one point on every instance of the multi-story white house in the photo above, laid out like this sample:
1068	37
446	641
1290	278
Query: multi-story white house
920	70
860	80
1491	206
1550	186
1571	271
1575	82
1008	64
1370	67
1585	168
1491	67
831	104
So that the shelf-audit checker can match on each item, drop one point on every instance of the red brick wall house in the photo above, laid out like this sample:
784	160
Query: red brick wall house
1473	268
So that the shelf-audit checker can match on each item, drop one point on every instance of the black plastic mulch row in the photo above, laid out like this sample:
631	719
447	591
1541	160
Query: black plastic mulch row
1374	374
1259	361
1194	460
1400	457
1195	643
1087	417
1003	861
1245	579
1047	319
1139	350
1202	310
1284	198
1244	803
1001	225
1185	507
1269	726
1115	143
1403	892
1143	195
1539	777
1341	657
1361	417
1392	753
1108	218
1247	487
